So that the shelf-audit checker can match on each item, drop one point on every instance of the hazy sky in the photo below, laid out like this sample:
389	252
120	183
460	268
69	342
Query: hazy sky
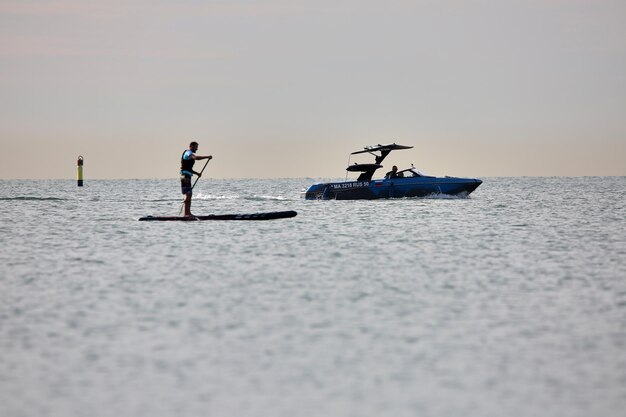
288	88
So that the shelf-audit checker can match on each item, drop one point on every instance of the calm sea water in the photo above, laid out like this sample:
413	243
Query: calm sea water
511	302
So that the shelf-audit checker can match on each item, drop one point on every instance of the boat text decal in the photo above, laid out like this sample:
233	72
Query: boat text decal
355	184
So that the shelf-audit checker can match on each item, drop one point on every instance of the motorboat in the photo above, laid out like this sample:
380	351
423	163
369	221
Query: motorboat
408	182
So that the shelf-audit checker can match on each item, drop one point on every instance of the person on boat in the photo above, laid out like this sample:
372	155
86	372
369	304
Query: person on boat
187	160
393	173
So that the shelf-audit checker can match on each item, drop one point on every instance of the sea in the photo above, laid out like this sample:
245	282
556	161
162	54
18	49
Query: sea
509	302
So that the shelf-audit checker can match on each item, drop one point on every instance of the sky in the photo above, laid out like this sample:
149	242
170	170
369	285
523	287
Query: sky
286	89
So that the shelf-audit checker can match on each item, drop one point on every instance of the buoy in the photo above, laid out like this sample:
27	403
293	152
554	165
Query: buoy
80	171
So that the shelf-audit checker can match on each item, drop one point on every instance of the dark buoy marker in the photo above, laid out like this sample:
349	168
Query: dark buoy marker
80	170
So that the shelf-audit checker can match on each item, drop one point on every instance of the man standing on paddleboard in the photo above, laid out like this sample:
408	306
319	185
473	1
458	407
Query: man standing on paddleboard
187	160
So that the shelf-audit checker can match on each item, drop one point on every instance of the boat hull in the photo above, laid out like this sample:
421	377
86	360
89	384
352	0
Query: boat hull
392	188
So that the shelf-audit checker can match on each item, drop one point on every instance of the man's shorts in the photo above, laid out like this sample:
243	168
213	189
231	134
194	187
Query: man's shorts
185	184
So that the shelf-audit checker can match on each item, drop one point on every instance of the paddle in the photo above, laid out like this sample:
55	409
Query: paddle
194	184
198	177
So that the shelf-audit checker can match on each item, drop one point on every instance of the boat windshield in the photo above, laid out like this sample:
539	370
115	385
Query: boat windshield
411	172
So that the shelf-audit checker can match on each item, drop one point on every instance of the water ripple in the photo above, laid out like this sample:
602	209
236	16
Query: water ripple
510	302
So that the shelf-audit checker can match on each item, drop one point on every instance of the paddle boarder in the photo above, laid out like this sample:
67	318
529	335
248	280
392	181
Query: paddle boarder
187	160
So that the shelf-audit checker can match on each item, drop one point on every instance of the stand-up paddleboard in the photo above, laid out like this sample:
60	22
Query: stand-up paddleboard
251	216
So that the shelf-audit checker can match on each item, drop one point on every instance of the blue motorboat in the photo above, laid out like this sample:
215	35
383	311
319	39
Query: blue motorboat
396	184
